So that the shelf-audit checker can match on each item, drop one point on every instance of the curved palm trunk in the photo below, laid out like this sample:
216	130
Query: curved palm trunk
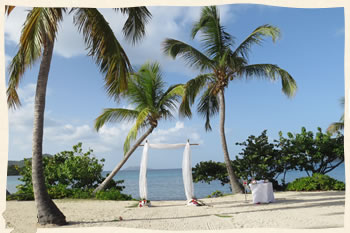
126	157
235	185
48	213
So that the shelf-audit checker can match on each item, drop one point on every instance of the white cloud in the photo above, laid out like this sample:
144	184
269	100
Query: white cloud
175	134
14	23
166	22
59	135
69	41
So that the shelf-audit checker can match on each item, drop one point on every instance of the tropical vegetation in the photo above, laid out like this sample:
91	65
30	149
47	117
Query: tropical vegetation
37	40
316	182
151	103
338	126
220	64
261	159
69	174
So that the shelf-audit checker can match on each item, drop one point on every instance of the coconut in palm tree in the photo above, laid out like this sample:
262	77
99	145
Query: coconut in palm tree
220	64
152	103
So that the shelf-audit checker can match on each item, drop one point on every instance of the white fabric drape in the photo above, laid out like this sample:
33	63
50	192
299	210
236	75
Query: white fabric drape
187	172
186	168
143	173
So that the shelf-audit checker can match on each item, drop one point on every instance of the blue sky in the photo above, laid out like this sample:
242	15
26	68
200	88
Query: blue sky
311	49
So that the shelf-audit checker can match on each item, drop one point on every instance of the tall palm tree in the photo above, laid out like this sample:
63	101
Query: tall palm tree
219	65
37	42
337	126
152	103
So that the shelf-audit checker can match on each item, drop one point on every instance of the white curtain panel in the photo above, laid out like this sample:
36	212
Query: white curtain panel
186	168
143	173
187	172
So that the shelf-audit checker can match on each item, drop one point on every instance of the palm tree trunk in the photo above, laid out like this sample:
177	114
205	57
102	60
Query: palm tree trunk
126	157
48	213
235	185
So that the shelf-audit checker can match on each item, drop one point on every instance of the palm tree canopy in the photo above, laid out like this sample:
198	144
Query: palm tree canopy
220	64
337	126
101	43
146	92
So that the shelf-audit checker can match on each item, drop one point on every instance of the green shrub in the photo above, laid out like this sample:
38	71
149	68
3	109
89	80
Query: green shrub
317	182
69	174
217	193
112	194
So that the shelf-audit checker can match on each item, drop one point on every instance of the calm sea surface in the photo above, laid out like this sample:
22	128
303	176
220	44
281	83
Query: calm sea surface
167	184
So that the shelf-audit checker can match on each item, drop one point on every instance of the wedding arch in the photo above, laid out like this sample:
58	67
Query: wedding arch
186	170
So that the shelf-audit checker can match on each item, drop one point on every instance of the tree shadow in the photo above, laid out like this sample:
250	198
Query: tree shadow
304	203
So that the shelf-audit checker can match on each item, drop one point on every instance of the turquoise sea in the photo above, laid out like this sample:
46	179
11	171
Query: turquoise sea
167	184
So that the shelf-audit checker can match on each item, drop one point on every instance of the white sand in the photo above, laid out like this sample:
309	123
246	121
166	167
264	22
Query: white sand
291	210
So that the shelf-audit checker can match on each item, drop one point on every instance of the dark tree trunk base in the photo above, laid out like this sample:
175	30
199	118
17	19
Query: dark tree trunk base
53	216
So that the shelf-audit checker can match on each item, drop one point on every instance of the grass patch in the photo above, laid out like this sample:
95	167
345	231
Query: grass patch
133	205
223	216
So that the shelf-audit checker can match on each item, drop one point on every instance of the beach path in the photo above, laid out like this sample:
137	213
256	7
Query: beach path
291	210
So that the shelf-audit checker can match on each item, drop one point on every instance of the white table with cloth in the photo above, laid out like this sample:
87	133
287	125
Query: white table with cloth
262	192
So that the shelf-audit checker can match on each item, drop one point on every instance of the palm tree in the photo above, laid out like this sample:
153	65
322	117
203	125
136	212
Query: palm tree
36	42
219	65
152	103
337	126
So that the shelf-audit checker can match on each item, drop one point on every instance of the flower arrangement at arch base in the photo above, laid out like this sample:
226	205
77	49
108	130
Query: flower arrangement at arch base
144	203
195	202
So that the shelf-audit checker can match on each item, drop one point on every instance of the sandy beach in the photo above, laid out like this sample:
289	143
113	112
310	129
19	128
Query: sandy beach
312	210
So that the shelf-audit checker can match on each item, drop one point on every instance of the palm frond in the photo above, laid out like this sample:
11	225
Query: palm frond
134	27
41	24
215	40
104	47
208	106
140	123
272	72
146	86
114	115
192	89
257	37
9	9
169	99
335	127
192	56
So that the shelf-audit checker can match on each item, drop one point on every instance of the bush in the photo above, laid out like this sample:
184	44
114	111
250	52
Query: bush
217	193
112	194
69	174
317	182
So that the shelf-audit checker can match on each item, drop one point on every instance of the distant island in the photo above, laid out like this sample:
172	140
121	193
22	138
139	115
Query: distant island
14	166
135	168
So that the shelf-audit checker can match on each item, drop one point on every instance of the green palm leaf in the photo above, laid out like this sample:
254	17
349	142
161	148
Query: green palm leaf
192	89
140	123
208	106
257	37
115	115
192	56
105	49
134	27
335	127
272	72
41	24
215	40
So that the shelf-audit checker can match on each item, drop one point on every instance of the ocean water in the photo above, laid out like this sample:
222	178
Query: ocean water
167	184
